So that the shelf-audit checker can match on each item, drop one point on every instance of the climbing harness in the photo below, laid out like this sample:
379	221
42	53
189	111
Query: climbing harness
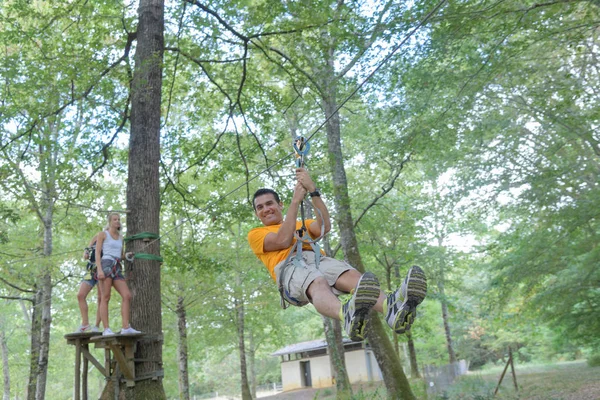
301	148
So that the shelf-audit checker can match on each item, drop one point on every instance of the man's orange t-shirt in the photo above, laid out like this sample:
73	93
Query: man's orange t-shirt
256	238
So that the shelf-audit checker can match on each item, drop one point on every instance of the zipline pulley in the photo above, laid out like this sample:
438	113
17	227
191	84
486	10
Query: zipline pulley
301	147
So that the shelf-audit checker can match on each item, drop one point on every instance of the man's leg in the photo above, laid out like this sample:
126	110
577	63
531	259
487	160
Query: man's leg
347	282
321	296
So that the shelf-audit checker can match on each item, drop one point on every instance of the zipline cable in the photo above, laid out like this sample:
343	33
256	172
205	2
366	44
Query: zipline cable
307	140
277	162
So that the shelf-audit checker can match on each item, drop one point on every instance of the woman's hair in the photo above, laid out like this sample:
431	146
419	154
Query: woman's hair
110	215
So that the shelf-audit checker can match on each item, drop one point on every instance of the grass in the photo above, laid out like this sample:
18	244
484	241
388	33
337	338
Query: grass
559	381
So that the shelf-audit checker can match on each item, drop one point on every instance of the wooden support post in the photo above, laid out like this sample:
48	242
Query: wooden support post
77	388
119	357
129	359
84	375
509	362
81	342
512	368
122	362
96	363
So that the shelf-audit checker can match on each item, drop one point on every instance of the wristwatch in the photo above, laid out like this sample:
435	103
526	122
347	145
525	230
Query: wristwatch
316	193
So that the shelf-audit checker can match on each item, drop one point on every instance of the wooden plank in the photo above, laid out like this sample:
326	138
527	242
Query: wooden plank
121	361
89	356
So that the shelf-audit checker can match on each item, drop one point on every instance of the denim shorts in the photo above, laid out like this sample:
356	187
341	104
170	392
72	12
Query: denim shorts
112	269
92	281
93	276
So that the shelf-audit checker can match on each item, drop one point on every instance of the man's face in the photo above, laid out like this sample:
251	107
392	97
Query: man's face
268	210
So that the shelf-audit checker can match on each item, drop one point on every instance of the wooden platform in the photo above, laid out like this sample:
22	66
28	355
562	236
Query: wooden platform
119	362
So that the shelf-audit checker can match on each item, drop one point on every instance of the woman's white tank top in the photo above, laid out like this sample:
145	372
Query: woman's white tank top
112	248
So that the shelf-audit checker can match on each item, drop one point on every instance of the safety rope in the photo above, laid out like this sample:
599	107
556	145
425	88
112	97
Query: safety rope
142	235
301	148
143	256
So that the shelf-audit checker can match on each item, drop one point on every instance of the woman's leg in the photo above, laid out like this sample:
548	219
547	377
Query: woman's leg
104	286
123	290
98	319
84	290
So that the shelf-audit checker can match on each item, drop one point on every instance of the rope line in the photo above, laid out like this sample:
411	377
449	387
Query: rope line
307	141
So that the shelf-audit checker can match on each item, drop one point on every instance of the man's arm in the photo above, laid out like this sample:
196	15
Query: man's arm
284	238
322	217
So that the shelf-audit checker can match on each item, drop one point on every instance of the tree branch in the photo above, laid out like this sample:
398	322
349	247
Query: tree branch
16	298
16	287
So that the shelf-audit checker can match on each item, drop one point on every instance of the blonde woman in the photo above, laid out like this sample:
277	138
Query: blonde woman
109	250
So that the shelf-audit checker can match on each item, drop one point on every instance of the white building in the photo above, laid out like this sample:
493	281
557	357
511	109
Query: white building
307	364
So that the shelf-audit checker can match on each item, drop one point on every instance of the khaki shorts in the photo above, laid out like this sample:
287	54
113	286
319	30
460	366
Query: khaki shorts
297	279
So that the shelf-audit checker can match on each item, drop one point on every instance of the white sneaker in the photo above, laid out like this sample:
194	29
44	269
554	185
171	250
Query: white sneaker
84	329
402	304
356	309
108	332
95	329
129	331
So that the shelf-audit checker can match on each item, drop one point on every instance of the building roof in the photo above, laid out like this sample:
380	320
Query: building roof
306	346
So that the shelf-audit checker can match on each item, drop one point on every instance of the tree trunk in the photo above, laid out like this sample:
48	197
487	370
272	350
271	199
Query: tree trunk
36	332
143	199
412	353
182	350
252	364
46	322
395	380
339	373
246	395
440	235
445	317
5	370
339	370
46	285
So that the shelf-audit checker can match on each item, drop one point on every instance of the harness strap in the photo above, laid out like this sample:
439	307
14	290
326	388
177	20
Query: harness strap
301	147
297	260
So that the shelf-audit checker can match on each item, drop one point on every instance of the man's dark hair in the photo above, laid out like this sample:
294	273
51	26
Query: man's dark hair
260	192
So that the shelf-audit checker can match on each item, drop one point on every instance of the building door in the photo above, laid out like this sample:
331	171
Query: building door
305	371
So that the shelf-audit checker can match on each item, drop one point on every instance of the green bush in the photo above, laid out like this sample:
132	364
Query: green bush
594	360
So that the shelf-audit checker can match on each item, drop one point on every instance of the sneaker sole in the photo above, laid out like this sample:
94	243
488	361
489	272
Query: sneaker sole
416	286
366	295
416	290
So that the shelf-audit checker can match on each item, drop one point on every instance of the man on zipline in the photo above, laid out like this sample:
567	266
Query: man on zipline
320	279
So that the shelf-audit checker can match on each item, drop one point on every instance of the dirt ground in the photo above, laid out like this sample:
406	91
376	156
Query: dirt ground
299	394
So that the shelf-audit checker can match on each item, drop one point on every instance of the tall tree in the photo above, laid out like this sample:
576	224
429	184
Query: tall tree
5	367
143	197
